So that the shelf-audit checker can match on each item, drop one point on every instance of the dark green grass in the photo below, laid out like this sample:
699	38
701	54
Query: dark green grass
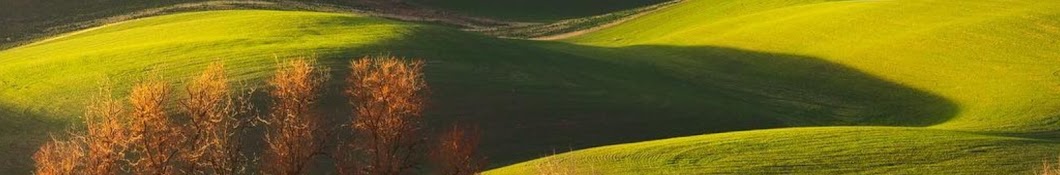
971	85
531	97
993	60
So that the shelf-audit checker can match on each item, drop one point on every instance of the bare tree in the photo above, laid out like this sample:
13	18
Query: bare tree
293	135
456	152
99	150
59	157
108	136
158	139
387	95
218	121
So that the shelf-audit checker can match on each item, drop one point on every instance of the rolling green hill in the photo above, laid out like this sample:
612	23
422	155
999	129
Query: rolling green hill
996	61
515	89
964	87
536	10
818	150
29	20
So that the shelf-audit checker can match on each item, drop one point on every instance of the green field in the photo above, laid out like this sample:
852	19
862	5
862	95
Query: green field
536	10
855	87
995	61
27	21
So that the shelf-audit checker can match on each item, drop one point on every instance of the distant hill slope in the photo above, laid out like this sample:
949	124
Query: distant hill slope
534	97
966	87
29	20
536	10
996	61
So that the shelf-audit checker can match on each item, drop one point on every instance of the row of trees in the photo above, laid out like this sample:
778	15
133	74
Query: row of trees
214	130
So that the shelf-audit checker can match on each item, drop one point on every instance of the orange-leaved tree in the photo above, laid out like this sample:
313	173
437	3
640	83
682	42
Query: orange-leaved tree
388	96
108	137
99	150
159	140
293	127
218	122
59	157
456	152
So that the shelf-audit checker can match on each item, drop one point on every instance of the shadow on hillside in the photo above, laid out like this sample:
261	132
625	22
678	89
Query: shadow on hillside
533	98
22	134
559	97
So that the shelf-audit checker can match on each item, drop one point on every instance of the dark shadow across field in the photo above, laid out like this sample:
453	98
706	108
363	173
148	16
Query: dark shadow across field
23	131
535	98
555	97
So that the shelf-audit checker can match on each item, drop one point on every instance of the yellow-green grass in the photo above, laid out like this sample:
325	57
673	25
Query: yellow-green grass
45	86
536	10
981	87
996	61
819	150
533	97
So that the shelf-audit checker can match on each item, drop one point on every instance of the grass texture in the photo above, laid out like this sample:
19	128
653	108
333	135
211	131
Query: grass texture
907	86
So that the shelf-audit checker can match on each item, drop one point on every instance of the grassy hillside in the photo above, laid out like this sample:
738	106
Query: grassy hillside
996	61
969	86
532	97
820	150
29	20
536	10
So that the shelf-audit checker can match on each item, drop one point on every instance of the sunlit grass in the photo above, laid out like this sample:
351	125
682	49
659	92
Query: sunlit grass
978	75
995	60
